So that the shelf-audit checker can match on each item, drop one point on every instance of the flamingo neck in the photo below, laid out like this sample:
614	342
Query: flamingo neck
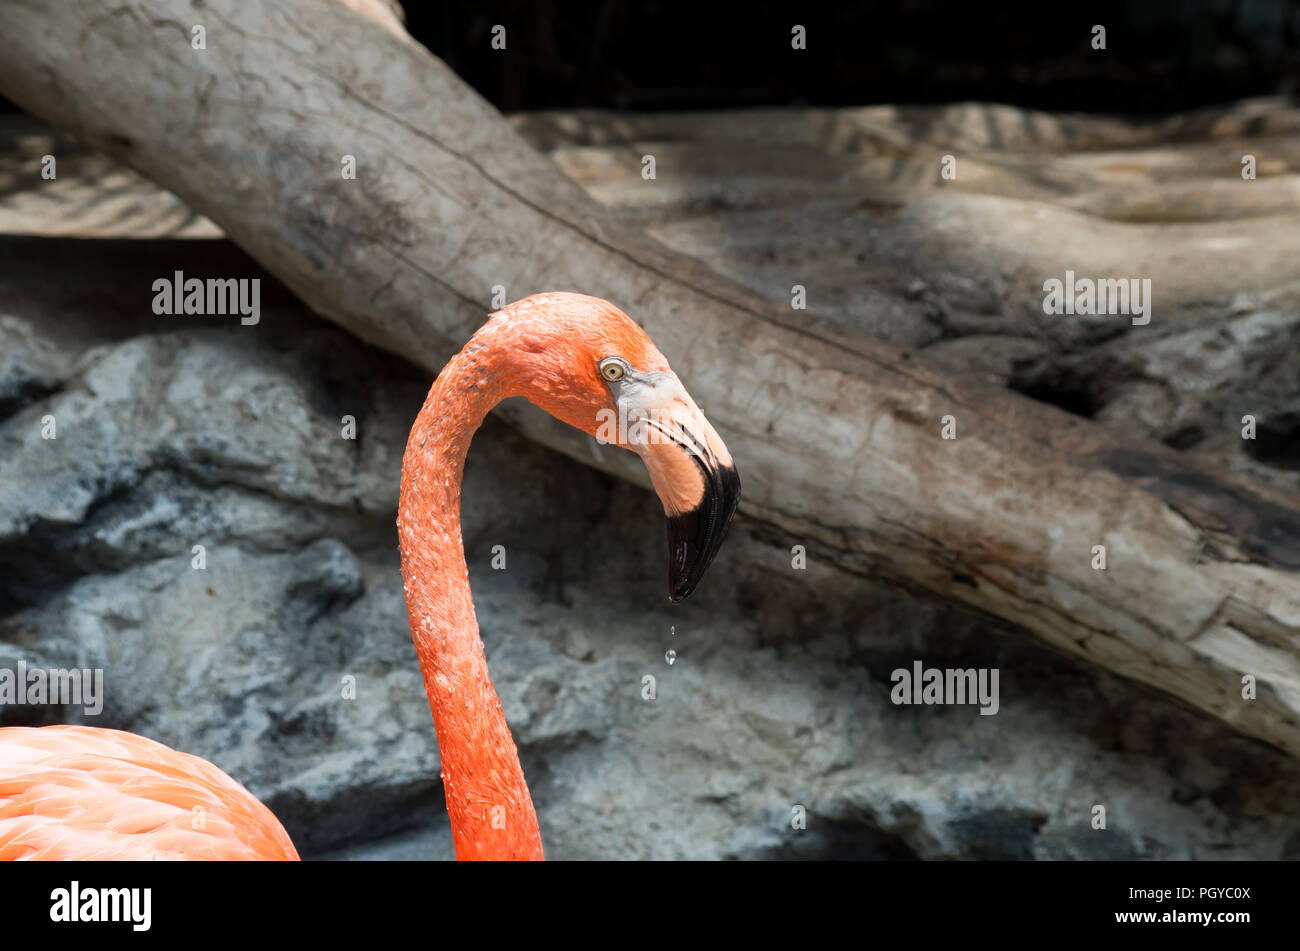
491	811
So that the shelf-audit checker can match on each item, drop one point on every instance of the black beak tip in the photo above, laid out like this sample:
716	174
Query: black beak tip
679	591
694	537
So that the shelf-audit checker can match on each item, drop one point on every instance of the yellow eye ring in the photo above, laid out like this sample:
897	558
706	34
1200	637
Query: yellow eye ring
612	370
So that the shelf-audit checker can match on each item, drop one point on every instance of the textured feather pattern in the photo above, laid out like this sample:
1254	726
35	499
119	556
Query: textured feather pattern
76	792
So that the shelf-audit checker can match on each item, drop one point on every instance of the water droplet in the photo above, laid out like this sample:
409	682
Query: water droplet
670	656
673	630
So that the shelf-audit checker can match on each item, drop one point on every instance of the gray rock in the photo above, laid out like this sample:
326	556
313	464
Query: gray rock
206	434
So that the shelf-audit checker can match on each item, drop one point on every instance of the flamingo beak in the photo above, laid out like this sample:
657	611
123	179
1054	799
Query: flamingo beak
696	534
692	472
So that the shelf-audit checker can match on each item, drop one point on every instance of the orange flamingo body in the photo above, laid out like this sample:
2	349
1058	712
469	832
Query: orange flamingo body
77	792
81	792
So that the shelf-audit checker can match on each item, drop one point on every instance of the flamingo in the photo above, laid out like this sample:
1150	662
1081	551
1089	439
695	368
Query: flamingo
76	792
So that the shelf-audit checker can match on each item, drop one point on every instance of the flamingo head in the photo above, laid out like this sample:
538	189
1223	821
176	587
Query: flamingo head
587	363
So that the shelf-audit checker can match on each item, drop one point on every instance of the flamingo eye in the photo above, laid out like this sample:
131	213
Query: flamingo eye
612	369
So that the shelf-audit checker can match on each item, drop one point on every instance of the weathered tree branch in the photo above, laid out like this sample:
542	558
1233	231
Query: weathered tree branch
837	434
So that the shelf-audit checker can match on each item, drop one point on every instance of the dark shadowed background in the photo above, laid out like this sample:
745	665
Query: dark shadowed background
1161	56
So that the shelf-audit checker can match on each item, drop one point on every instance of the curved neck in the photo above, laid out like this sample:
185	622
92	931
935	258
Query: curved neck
491	811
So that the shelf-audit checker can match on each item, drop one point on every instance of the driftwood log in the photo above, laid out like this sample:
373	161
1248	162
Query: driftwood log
837	434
